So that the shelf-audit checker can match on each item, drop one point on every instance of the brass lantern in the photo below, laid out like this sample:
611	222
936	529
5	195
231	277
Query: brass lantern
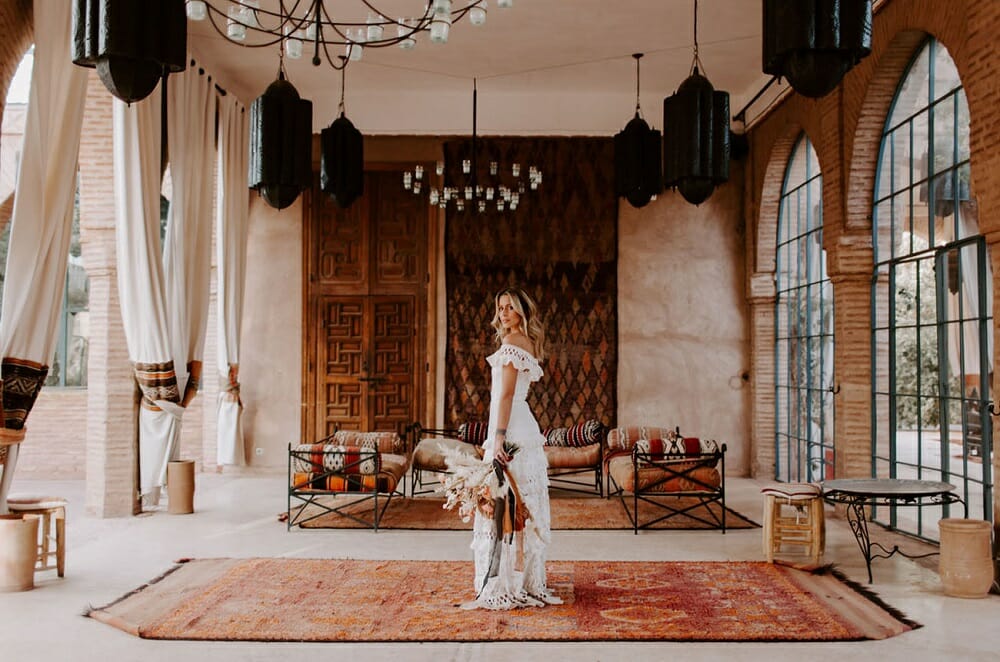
131	44
814	43
280	143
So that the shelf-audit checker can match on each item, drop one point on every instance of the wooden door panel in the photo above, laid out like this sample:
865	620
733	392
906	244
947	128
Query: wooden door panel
399	244
393	347
341	246
340	395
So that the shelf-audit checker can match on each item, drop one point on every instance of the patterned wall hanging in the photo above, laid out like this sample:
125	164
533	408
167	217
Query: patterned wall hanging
561	246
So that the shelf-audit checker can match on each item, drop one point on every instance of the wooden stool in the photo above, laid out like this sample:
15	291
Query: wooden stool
793	516
52	540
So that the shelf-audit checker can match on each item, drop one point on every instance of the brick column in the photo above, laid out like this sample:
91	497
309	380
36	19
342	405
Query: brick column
762	364
851	278
111	418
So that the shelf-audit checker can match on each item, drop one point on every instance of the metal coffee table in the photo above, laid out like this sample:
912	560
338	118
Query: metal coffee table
858	493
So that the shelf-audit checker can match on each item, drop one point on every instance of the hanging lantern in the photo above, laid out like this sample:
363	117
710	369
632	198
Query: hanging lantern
814	43
280	143
638	176
342	162
130	43
696	139
342	155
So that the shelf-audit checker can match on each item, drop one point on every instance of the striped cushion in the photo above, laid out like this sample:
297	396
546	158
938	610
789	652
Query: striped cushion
473	432
581	434
384	442
793	491
317	458
623	438
679	447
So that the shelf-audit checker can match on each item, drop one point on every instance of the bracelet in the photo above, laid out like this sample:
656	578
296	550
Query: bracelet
502	431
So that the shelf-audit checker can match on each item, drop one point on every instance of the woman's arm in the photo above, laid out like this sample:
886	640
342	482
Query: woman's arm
508	380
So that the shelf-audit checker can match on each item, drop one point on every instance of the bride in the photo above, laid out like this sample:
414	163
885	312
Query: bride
510	569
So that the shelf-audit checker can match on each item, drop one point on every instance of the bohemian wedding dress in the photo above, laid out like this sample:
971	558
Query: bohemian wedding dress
519	579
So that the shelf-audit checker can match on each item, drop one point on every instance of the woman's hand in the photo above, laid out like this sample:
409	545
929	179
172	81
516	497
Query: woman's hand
502	456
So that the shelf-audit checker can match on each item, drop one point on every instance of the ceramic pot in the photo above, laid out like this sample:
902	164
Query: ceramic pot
966	564
180	487
18	552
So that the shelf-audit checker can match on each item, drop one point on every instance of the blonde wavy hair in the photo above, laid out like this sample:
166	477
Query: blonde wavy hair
526	307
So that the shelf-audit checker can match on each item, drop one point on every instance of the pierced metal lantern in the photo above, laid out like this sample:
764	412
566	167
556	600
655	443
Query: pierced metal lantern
280	143
342	162
131	44
638	176
696	139
814	43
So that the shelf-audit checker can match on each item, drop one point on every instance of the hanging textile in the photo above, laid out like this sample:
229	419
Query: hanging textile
164	300
41	226
231	247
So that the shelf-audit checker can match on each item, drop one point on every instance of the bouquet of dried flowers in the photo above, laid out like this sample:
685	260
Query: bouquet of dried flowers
472	485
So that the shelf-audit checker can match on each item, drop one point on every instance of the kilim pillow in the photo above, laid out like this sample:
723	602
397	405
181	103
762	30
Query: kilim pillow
318	458
473	432
581	434
661	449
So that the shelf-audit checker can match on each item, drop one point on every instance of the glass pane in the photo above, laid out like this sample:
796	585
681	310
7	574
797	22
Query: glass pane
945	74
912	93
944	135
963	126
918	154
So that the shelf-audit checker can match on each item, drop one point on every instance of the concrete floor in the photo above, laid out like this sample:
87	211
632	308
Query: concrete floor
237	516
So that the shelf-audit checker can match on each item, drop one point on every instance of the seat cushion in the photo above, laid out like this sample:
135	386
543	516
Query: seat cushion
388	477
793	491
656	479
429	454
570	457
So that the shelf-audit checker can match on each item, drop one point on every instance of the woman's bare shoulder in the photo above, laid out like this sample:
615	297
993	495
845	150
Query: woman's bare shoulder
520	340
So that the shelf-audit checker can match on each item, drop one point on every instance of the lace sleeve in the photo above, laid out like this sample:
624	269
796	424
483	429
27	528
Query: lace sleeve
520	359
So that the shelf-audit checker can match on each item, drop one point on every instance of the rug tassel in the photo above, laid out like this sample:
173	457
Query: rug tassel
874	597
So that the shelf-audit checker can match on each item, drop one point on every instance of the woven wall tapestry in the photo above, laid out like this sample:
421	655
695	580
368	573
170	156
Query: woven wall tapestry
560	246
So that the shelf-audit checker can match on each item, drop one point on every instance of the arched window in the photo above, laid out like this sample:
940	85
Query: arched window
932	289
804	327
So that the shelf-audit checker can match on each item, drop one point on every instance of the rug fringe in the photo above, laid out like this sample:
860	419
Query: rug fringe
90	609
871	595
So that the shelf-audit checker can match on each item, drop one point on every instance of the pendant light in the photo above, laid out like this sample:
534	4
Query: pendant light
280	143
696	134
342	158
638	175
814	43
131	44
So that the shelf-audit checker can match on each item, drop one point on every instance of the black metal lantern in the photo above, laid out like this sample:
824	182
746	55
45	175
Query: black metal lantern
342	157
814	43
638	176
696	138
130	43
280	143
342	162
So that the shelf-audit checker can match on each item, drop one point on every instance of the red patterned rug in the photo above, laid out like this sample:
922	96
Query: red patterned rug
284	599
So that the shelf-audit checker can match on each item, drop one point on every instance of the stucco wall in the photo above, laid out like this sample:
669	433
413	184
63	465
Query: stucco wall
682	318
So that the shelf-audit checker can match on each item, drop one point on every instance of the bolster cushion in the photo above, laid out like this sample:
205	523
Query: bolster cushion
624	438
429	454
581	434
473	432
569	457
384	442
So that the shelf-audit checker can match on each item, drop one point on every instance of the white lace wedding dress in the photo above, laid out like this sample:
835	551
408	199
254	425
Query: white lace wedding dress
514	586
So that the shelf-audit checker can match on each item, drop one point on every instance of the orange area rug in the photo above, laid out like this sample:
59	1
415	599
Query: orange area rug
567	513
285	599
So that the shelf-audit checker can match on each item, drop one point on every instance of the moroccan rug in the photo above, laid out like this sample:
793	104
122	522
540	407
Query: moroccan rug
283	599
426	513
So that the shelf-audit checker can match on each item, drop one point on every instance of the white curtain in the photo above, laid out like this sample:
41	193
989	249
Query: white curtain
41	225
164	300
231	248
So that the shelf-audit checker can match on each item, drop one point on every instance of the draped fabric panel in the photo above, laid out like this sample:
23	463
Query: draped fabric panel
232	211
141	287
164	299
41	227
187	253
560	246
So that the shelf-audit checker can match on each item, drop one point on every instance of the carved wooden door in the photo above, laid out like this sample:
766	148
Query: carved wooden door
366	290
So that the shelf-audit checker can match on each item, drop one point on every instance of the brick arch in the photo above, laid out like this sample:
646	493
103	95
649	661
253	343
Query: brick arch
867	140
17	27
772	185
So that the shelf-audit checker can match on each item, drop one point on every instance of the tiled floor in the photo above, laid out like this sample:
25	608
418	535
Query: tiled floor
237	516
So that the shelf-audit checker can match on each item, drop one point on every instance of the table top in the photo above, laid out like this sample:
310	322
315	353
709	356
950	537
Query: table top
887	487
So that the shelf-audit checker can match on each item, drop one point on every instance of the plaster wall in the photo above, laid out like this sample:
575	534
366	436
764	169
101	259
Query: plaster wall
271	352
682	318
